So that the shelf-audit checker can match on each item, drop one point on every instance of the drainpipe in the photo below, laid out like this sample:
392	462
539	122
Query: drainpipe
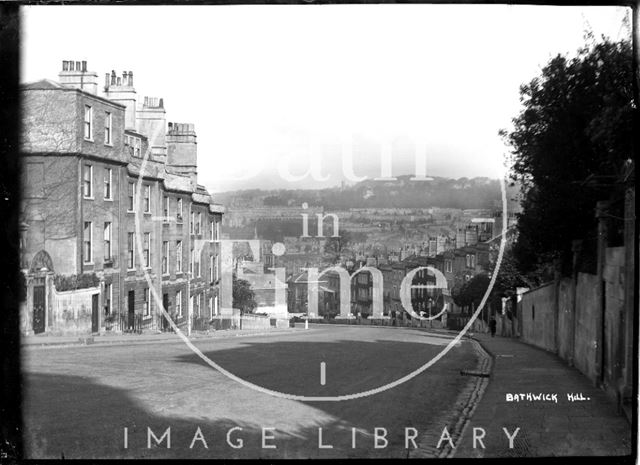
188	271
557	277
122	221
601	212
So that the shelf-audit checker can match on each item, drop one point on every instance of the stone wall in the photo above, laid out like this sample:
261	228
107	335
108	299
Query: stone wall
587	304
614	297
71	312
563	317
566	309
538	317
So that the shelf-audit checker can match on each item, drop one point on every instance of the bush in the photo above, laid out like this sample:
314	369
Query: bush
75	281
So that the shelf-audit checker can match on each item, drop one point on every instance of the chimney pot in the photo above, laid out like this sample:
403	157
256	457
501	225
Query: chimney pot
161	105
84	66
65	65
131	78
70	65
119	82
106	81
78	68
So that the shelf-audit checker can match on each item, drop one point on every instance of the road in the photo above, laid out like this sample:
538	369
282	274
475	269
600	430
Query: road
79	400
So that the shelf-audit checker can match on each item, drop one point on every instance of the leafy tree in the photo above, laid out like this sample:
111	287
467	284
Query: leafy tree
243	295
509	277
576	122
472	291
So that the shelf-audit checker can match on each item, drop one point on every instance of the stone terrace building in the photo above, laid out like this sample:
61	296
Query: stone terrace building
83	164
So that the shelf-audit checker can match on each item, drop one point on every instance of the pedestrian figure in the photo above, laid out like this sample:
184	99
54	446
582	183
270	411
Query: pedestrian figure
492	326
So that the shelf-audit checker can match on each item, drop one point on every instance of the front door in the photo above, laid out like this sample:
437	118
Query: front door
95	314
131	310
165	306
38	309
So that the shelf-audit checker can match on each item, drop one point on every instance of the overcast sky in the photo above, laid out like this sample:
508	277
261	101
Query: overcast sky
265	85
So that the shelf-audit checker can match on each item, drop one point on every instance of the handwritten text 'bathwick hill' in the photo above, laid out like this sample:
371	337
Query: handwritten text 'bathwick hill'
543	397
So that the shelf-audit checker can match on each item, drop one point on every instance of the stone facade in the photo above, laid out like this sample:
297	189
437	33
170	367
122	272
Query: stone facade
94	205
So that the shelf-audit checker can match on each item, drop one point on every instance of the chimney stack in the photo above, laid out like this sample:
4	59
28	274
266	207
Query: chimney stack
120	90
182	149
74	74
151	120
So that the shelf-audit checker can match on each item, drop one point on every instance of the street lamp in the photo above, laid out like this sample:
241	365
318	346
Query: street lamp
306	320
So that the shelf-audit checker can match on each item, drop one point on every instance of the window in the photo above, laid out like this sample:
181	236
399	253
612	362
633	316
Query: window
107	128
216	269
191	261
447	266
145	249
217	236
165	207
179	211
215	305
147	302
179	257
179	303
147	198
196	305
134	145
199	224
165	257
87	242
212	231
107	240
191	224
197	261
130	251
108	296
211	260
87	181
211	306
88	122
132	196
108	182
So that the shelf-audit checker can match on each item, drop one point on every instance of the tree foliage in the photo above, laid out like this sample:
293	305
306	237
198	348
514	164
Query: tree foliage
243	295
472	291
575	122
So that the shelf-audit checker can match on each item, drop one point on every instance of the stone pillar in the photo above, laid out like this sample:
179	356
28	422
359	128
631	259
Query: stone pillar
630	322
576	248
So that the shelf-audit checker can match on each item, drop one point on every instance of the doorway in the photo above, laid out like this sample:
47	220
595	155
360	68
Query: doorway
38	309
95	314
131	298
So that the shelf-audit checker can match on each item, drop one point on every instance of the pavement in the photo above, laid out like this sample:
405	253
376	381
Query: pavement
46	340
588	427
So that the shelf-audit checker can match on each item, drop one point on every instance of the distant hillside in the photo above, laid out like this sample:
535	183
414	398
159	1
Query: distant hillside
461	193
